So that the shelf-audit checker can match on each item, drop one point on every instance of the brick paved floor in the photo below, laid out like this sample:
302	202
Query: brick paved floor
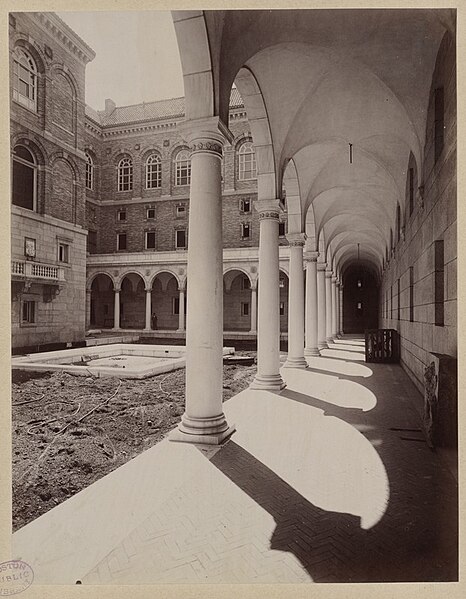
329	481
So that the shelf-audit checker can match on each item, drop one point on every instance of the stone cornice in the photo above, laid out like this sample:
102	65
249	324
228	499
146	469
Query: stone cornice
53	25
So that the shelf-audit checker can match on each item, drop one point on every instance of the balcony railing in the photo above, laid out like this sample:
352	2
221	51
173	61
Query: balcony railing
34	270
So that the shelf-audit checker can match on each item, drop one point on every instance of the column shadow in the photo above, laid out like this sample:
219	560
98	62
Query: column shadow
331	546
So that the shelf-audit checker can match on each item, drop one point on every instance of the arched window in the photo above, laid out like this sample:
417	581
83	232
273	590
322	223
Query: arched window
89	171
24	178
153	172
125	174
182	168
25	79
247	162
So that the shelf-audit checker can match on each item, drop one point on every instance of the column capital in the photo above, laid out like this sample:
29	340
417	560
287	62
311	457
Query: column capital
296	239
148	289
328	274
338	283
117	289
182	286
334	279
321	266
310	256
268	209
206	136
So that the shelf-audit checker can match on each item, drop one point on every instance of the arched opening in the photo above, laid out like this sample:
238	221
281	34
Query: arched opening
237	298
102	302
165	301
132	302
360	299
24	183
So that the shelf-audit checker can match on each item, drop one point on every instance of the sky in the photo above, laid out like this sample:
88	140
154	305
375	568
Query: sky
137	58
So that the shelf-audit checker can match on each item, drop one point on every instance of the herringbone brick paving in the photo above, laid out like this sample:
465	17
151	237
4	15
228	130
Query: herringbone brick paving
238	520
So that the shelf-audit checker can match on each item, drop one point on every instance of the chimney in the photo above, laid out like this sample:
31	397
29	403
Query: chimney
109	106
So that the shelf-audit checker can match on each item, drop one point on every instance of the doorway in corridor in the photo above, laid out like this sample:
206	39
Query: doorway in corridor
360	300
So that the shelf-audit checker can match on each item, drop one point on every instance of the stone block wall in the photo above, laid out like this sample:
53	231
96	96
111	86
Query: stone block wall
62	319
428	279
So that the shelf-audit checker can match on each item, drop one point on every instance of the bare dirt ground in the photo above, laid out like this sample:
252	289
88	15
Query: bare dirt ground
69	431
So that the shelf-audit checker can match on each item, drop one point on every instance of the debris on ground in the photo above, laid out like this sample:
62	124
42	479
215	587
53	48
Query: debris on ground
69	431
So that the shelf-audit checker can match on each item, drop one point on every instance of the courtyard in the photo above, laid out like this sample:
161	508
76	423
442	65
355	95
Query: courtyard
347	491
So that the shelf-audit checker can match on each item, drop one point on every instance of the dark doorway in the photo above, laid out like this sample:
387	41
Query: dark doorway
360	300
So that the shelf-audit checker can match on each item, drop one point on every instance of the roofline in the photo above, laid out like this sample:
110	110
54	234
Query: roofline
51	21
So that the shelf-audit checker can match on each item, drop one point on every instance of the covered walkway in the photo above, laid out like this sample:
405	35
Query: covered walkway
347	491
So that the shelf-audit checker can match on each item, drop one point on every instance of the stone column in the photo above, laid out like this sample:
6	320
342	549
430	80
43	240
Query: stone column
321	306
181	319
334	307
204	420
337	295
116	309
148	309
328	306
268	333
253	307
296	357
88	308
341	308
311	345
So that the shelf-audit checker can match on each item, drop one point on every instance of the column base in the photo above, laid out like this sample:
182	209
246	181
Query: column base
180	436
323	345
312	351
267	382
296	363
329	340
207	431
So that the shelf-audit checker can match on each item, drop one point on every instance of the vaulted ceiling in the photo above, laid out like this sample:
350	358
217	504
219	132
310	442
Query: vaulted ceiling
313	82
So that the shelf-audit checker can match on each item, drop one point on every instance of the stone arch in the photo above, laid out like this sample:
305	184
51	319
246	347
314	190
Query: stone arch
292	194
237	299
256	110
198	77
165	299
132	300
102	301
62	202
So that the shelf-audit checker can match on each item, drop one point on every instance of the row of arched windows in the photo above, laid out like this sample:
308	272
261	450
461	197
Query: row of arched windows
247	169
25	79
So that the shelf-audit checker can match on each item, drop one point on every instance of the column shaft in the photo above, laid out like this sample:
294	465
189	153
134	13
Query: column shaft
148	309
116	309
268	329
88	308
295	357
311	346
334	308
321	306
204	420
341	309
253	310
181	319
328	306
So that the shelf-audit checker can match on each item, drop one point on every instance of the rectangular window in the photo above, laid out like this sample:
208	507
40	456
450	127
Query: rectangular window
121	215
63	252
180	239
29	312
411	191
245	230
282	308
92	242
439	122
245	206
281	229
121	241
411	294
150	240
244	309
180	211
150	213
398	300
439	279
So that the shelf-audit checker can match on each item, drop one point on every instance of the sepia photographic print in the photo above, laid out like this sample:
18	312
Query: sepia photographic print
233	324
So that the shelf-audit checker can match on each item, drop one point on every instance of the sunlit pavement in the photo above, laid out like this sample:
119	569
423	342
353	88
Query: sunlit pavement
329	481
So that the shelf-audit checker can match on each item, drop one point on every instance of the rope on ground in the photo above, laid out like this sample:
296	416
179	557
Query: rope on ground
62	430
22	403
163	380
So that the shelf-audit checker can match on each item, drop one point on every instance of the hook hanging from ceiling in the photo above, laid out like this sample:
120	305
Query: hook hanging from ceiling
350	153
